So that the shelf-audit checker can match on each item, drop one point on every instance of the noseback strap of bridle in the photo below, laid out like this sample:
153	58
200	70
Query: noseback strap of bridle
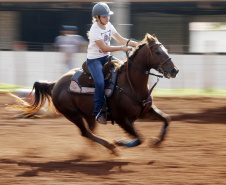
160	65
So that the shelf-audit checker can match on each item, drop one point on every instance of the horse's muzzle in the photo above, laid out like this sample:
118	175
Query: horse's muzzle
171	73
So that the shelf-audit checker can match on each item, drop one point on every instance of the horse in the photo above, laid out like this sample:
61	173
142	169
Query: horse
128	102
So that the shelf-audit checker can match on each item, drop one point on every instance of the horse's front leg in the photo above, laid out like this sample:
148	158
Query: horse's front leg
129	128
155	114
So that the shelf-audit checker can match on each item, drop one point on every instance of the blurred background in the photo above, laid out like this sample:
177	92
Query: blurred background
194	32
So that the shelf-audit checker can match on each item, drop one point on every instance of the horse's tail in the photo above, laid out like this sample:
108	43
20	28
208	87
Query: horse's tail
40	96
42	93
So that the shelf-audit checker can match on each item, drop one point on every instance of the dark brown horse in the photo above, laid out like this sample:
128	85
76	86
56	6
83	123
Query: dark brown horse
126	105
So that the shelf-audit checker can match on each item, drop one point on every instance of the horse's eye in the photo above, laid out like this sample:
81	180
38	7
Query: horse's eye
158	53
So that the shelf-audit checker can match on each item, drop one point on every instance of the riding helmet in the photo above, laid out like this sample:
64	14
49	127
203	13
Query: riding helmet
101	9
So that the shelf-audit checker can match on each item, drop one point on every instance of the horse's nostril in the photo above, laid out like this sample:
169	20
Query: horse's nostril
174	71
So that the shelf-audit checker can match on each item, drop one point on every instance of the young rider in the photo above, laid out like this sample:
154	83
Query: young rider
100	35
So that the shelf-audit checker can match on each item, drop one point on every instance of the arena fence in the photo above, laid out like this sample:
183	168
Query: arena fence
196	71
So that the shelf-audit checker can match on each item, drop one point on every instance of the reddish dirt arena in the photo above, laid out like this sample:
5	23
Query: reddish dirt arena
52	151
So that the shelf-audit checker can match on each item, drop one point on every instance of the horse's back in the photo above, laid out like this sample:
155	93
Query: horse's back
60	90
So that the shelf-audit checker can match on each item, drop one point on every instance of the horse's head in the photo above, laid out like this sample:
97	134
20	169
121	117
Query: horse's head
160	57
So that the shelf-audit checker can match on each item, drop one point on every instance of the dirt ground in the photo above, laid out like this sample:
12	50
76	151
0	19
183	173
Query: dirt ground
52	151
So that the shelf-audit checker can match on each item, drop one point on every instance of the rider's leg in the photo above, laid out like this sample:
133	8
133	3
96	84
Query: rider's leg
95	67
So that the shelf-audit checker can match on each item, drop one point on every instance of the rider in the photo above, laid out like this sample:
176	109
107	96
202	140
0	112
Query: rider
100	35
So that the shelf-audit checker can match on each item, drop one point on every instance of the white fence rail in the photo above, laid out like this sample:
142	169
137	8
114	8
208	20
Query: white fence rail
196	71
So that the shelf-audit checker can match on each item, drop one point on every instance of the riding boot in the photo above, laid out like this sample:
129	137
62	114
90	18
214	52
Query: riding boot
102	119
102	115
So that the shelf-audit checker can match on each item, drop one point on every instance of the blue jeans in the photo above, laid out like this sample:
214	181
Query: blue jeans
95	67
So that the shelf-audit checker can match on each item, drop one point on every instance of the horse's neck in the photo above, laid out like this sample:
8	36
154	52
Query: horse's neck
138	78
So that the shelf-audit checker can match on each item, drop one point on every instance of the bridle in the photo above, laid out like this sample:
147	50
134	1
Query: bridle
159	68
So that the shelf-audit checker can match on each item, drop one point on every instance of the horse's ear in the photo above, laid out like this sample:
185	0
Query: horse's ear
147	35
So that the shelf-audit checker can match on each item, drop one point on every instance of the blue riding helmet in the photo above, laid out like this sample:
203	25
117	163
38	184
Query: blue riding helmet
101	9
69	28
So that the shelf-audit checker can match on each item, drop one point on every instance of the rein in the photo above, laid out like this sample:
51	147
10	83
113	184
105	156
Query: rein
145	71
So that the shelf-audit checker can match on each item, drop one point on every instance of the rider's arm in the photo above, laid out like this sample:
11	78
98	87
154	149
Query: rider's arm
123	40
107	48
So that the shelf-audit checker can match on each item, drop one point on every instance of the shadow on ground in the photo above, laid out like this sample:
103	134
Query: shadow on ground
215	115
71	166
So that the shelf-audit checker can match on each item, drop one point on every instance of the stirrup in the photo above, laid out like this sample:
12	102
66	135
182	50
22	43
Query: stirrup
98	115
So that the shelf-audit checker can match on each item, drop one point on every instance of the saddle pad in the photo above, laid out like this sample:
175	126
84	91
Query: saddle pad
75	87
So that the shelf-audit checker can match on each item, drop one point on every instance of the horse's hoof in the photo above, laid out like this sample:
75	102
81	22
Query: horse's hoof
155	142
129	144
120	141
114	150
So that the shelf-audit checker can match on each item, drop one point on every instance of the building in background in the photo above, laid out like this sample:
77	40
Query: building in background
36	22
193	31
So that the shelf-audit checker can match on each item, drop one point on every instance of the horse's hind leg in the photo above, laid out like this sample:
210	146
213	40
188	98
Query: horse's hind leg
91	123
155	114
77	119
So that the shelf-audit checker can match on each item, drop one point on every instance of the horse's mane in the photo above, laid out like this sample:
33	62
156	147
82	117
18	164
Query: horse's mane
148	39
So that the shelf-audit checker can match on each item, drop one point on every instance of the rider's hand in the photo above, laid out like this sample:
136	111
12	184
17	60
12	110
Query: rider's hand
125	48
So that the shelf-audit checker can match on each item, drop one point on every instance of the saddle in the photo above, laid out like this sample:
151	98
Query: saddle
86	80
83	83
